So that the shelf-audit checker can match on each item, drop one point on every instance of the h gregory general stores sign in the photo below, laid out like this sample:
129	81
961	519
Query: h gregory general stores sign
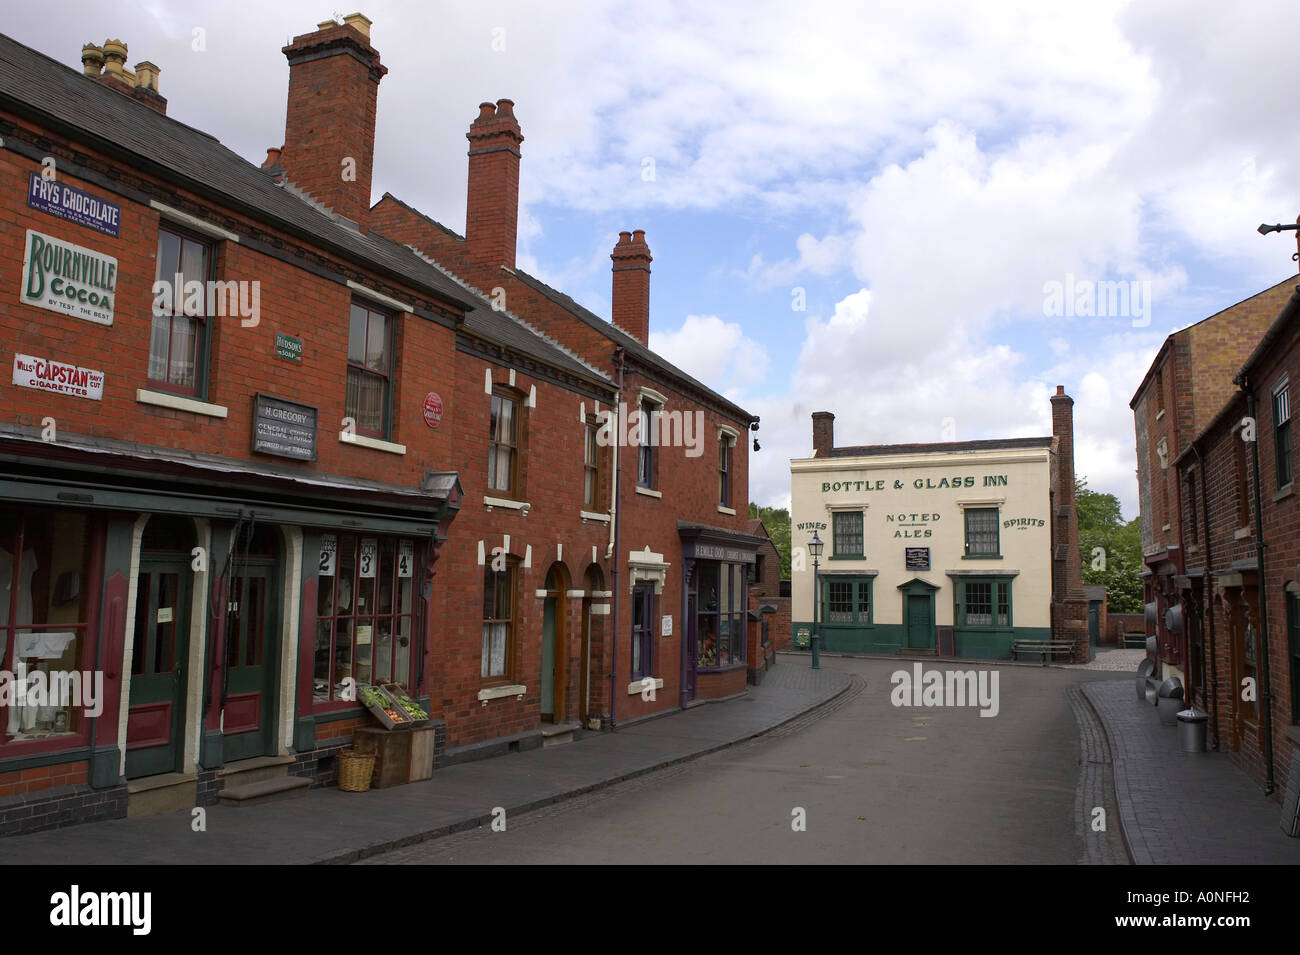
69	279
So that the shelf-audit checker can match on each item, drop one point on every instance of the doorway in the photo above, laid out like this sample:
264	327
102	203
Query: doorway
555	612
252	648
155	727
920	623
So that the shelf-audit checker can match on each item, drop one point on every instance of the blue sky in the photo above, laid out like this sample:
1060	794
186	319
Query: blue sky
920	171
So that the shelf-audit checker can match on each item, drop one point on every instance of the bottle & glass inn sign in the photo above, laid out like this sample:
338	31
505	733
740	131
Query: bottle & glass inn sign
917	484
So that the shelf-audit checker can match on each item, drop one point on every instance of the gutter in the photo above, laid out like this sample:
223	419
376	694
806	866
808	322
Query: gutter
1242	381
614	535
1207	598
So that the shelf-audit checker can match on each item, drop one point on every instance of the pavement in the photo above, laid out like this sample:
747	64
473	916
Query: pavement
1181	808
329	826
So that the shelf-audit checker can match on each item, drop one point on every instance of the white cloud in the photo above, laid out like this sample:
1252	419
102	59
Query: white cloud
716	352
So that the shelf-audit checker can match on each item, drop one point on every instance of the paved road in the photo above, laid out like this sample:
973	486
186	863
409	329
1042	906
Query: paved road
877	783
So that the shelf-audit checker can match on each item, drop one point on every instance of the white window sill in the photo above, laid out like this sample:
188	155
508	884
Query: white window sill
649	492
522	506
1165	527
497	692
593	516
348	437
1160	414
179	403
1284	492
637	687
1240	533
726	510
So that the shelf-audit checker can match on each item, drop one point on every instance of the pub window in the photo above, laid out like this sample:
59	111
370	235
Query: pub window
846	601
367	618
982	532
985	603
645	456
46	599
590	464
1282	431
178	338
503	442
643	630
720	613
847	534
498	623
370	362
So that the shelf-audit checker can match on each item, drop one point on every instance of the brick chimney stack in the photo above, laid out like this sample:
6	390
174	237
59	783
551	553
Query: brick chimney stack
329	128
823	433
1069	605
631	299
492	198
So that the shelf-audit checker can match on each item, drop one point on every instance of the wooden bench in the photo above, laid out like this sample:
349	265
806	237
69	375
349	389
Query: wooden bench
1135	641
1043	647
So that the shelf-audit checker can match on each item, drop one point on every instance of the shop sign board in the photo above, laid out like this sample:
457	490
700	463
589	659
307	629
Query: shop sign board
46	374
284	428
68	279
916	558
75	205
288	348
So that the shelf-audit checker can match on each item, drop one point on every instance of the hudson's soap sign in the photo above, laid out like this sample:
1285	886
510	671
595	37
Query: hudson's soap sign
69	279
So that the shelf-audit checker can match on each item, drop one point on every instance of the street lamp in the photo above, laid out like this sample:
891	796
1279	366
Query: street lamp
815	547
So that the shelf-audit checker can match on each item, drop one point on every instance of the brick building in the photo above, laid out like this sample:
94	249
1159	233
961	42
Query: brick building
676	451
1240	591
256	452
769	611
1187	384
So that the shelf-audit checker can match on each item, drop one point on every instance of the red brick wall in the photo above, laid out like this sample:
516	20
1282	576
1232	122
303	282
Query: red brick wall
42	777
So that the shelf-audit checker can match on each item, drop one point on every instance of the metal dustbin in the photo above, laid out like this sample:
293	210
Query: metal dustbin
1191	729
1144	671
1169	700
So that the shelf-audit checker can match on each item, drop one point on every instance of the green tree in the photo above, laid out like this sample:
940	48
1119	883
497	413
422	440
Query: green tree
1110	547
777	522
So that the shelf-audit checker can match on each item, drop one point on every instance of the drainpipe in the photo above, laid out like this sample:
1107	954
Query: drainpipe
1207	594
614	537
1266	690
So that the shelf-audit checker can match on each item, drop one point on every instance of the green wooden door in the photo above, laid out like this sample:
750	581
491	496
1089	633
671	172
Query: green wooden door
548	658
252	647
155	728
920	626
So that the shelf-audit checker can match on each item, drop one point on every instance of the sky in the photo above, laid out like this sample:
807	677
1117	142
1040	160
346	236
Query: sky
901	213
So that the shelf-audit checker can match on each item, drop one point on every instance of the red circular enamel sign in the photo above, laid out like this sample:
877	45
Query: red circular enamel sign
432	409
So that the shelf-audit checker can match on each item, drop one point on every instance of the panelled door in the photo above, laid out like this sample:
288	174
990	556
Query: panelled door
156	708
920	626
252	658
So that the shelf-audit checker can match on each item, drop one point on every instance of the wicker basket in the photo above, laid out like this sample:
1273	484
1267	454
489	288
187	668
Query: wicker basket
355	770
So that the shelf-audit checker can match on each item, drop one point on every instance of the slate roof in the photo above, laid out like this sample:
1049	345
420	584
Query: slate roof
49	93
992	444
